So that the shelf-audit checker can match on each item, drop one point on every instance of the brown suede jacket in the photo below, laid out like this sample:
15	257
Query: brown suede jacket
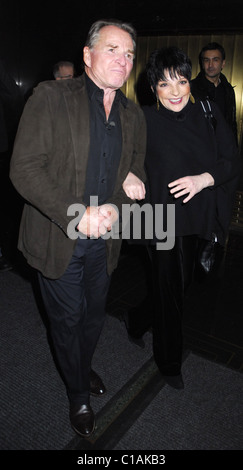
48	168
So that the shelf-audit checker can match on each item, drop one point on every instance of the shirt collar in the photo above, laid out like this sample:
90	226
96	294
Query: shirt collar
93	90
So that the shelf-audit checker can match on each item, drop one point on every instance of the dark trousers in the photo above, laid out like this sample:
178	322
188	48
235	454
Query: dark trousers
172	274
75	306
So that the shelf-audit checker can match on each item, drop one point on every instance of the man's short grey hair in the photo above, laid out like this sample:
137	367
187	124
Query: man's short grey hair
94	32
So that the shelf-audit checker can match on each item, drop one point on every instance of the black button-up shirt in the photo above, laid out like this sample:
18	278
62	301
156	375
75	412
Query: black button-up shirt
105	145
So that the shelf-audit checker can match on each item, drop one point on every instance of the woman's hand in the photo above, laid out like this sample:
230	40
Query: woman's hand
190	185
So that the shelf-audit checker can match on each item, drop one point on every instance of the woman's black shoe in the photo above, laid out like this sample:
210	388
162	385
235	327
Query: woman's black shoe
175	381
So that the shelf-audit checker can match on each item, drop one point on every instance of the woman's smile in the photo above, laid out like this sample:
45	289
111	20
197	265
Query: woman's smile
177	101
173	92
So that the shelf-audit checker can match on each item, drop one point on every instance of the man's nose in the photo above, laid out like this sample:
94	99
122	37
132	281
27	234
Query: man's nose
121	58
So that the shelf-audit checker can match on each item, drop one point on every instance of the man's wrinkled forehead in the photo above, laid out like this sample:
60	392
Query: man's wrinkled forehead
112	36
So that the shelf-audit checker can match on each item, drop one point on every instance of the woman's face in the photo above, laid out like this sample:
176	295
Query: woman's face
174	93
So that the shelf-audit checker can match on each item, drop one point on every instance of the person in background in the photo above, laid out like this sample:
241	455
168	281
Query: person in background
193	166
63	70
213	85
87	139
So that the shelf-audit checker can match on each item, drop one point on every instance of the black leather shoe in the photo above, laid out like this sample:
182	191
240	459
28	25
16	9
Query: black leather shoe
82	419
175	381
97	387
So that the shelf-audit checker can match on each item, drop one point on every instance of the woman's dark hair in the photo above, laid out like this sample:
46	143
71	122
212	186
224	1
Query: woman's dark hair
168	59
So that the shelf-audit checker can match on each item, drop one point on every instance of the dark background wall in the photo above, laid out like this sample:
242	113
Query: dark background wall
33	36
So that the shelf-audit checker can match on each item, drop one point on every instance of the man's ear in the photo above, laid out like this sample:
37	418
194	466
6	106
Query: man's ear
223	64
87	56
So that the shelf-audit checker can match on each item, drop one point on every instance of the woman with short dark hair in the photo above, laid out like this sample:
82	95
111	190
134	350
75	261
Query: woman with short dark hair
192	164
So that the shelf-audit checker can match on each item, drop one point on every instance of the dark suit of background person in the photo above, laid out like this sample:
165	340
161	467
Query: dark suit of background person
212	84
11	106
72	144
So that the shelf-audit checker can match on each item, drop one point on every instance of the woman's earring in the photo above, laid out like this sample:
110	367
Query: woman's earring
192	98
157	103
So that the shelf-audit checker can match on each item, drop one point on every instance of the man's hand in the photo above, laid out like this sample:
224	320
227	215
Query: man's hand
108	216
190	185
134	187
90	223
96	221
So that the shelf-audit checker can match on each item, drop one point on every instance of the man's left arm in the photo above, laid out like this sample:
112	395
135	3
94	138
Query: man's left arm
130	184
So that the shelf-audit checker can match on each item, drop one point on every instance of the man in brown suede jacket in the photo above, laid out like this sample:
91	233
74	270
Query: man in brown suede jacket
79	140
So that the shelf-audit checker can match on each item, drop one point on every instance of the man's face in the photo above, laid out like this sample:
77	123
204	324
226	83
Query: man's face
212	63
110	62
65	71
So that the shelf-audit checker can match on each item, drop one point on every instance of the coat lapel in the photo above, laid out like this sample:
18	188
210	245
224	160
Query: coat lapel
78	115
